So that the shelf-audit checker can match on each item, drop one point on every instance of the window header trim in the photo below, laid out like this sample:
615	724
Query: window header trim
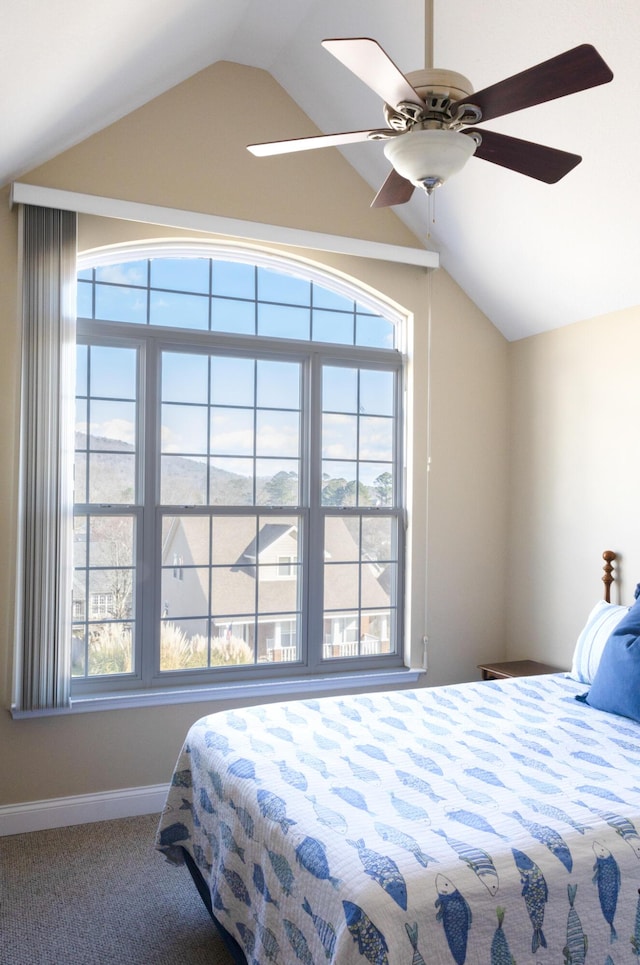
192	220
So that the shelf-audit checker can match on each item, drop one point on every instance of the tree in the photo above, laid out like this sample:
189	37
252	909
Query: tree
281	489
343	492
111	549
383	489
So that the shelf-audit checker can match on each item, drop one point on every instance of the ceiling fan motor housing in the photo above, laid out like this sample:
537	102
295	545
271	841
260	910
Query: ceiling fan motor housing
439	89
440	81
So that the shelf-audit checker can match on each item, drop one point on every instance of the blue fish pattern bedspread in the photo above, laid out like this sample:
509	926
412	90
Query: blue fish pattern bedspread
487	823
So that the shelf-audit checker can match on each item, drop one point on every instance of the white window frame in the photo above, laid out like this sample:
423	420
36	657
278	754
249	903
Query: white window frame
123	333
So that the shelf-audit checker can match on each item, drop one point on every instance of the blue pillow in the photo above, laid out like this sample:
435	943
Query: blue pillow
616	685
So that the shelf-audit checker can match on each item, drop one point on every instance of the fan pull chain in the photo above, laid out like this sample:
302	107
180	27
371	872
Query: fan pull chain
431	212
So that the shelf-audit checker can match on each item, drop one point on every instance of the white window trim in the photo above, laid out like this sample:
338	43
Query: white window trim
292	688
232	227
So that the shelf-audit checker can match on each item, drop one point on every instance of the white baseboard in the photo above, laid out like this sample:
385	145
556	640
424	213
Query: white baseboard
81	809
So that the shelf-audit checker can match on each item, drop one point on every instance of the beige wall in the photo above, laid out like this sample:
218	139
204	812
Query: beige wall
574	401
468	488
183	150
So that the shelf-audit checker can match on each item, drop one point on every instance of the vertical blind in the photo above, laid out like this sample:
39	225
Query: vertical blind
45	538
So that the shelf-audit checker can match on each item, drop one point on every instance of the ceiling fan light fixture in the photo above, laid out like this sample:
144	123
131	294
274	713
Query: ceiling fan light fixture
428	158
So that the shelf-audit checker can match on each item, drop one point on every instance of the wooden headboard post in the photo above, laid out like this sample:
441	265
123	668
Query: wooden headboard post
608	556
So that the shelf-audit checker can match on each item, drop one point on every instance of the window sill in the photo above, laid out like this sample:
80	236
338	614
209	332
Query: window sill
291	689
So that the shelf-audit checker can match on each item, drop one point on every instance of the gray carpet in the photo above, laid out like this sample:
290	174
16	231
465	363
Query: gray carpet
97	894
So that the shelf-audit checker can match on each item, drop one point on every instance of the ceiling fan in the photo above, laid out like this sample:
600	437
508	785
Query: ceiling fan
431	116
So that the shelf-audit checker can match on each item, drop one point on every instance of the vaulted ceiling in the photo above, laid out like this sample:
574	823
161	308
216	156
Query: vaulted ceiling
532	256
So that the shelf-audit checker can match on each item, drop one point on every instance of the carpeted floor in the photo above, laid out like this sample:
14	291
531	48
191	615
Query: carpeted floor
99	894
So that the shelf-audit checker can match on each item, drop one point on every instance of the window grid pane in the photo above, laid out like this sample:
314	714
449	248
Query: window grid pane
360	576
243	454
358	437
106	422
103	603
226	600
203	294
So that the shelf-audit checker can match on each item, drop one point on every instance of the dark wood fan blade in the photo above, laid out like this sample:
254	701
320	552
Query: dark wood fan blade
568	73
395	190
535	160
367	60
308	143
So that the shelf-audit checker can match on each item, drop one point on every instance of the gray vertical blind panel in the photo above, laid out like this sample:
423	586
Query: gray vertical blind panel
48	239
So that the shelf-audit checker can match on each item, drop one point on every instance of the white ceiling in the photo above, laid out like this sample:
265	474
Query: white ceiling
532	256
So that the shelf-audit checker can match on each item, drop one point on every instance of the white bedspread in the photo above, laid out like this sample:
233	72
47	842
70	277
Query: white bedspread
488	823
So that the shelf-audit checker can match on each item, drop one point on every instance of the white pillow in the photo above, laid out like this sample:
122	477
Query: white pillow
601	621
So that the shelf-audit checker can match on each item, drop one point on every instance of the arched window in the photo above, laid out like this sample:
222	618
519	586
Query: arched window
239	423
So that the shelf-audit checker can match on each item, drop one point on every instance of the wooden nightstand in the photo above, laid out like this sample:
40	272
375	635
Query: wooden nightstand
515	668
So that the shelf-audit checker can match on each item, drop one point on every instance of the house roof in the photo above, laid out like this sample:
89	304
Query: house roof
269	533
531	256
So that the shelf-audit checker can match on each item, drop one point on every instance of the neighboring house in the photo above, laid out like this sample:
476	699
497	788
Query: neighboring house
255	596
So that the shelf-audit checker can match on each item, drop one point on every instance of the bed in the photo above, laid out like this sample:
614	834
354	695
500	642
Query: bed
484	823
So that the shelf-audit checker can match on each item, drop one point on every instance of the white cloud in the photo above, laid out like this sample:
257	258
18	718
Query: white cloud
122	430
339	436
123	274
